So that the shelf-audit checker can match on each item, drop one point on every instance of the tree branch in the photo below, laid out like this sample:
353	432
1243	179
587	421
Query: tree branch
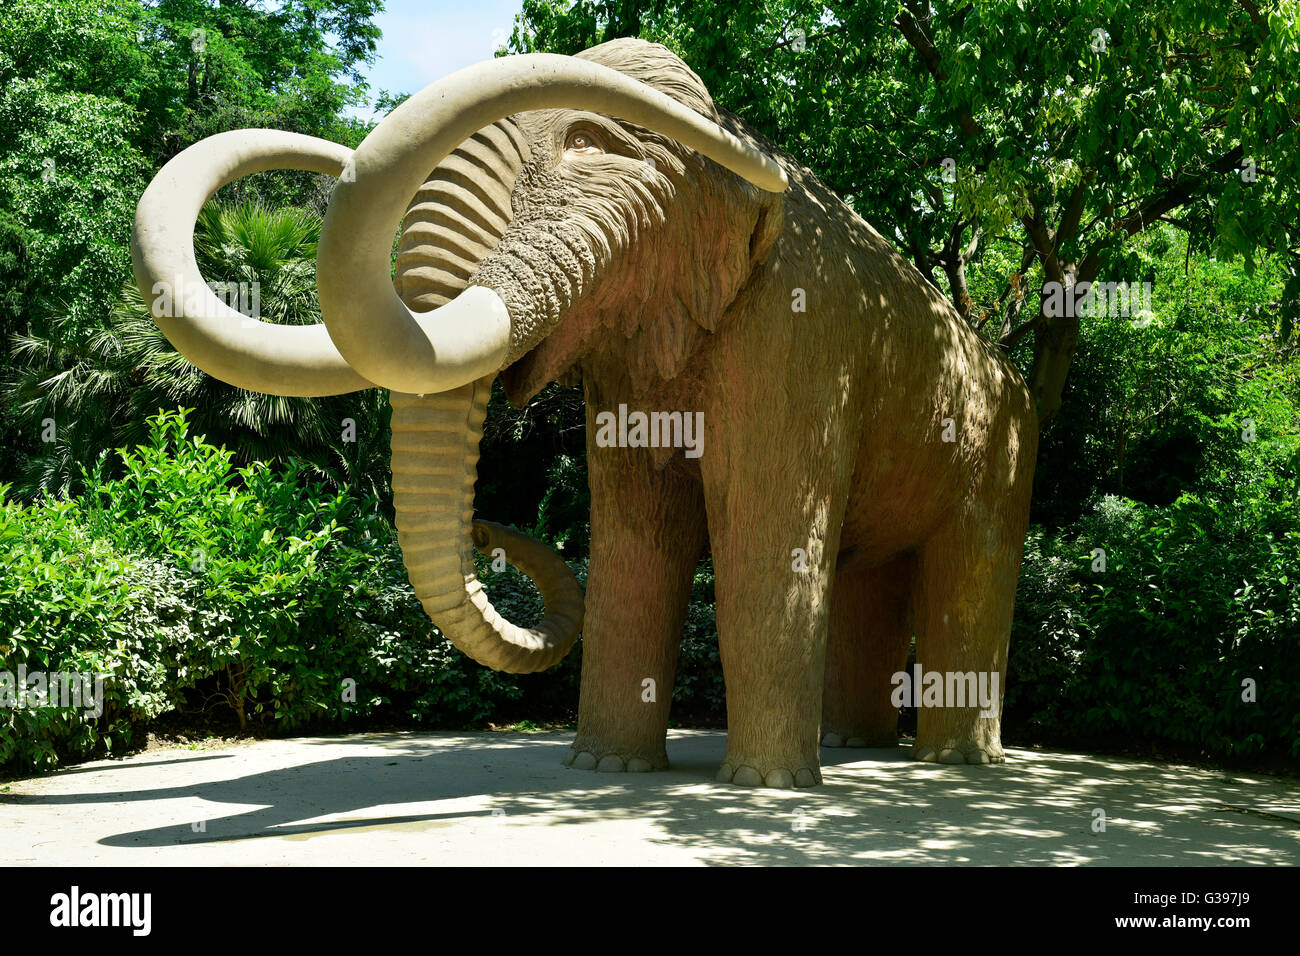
1044	244
1008	341
807	39
1014	284
1256	17
1069	226
1181	189
929	55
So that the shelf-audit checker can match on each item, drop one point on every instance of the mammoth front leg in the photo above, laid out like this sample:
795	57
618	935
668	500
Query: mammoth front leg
774	526
773	572
647	531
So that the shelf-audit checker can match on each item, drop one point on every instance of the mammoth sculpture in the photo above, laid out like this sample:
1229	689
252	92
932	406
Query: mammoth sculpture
864	468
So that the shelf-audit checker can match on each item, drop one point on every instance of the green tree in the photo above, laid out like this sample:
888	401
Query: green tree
96	93
1028	140
1199	395
292	65
94	96
70	169
99	385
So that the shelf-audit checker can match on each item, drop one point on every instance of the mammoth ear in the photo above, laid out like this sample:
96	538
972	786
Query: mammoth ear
767	227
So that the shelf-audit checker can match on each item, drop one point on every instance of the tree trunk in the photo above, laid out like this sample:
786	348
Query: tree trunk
1054	346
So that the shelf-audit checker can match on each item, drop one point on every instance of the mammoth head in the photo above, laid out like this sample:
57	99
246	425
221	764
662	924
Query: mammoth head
585	224
570	197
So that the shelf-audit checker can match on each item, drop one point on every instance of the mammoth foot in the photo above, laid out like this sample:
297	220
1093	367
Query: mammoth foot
967	753
613	762
833	739
779	778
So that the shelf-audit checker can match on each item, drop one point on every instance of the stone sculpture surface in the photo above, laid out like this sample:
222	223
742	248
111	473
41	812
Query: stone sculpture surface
763	373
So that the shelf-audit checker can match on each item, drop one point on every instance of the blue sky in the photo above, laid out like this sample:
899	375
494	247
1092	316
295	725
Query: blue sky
424	40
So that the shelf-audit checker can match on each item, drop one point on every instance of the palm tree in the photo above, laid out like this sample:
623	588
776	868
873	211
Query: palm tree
99	385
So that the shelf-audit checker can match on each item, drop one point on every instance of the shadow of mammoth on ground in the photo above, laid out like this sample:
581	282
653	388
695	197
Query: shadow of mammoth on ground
877	806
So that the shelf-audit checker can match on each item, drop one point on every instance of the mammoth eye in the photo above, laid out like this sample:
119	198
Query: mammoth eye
582	142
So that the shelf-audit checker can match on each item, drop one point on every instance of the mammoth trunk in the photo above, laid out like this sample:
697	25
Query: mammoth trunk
435	458
456	220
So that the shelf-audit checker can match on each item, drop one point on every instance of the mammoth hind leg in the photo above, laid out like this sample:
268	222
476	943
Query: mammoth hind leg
869	636
966	593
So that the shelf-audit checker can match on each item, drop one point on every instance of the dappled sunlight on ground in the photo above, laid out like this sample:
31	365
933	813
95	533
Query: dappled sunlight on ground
473	798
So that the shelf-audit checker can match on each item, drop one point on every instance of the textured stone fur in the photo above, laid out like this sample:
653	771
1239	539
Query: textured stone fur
671	289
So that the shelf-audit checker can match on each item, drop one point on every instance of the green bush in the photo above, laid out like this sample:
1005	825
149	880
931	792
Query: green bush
203	589
699	692
72	603
1152	652
199	587
1156	407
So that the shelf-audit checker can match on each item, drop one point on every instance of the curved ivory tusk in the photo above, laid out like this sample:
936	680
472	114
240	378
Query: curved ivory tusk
243	351
431	352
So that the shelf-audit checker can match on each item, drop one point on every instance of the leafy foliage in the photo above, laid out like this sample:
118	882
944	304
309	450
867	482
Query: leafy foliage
194	585
1158	404
98	386
1000	144
97	94
1196	598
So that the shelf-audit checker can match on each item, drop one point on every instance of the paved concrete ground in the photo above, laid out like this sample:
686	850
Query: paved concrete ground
504	798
